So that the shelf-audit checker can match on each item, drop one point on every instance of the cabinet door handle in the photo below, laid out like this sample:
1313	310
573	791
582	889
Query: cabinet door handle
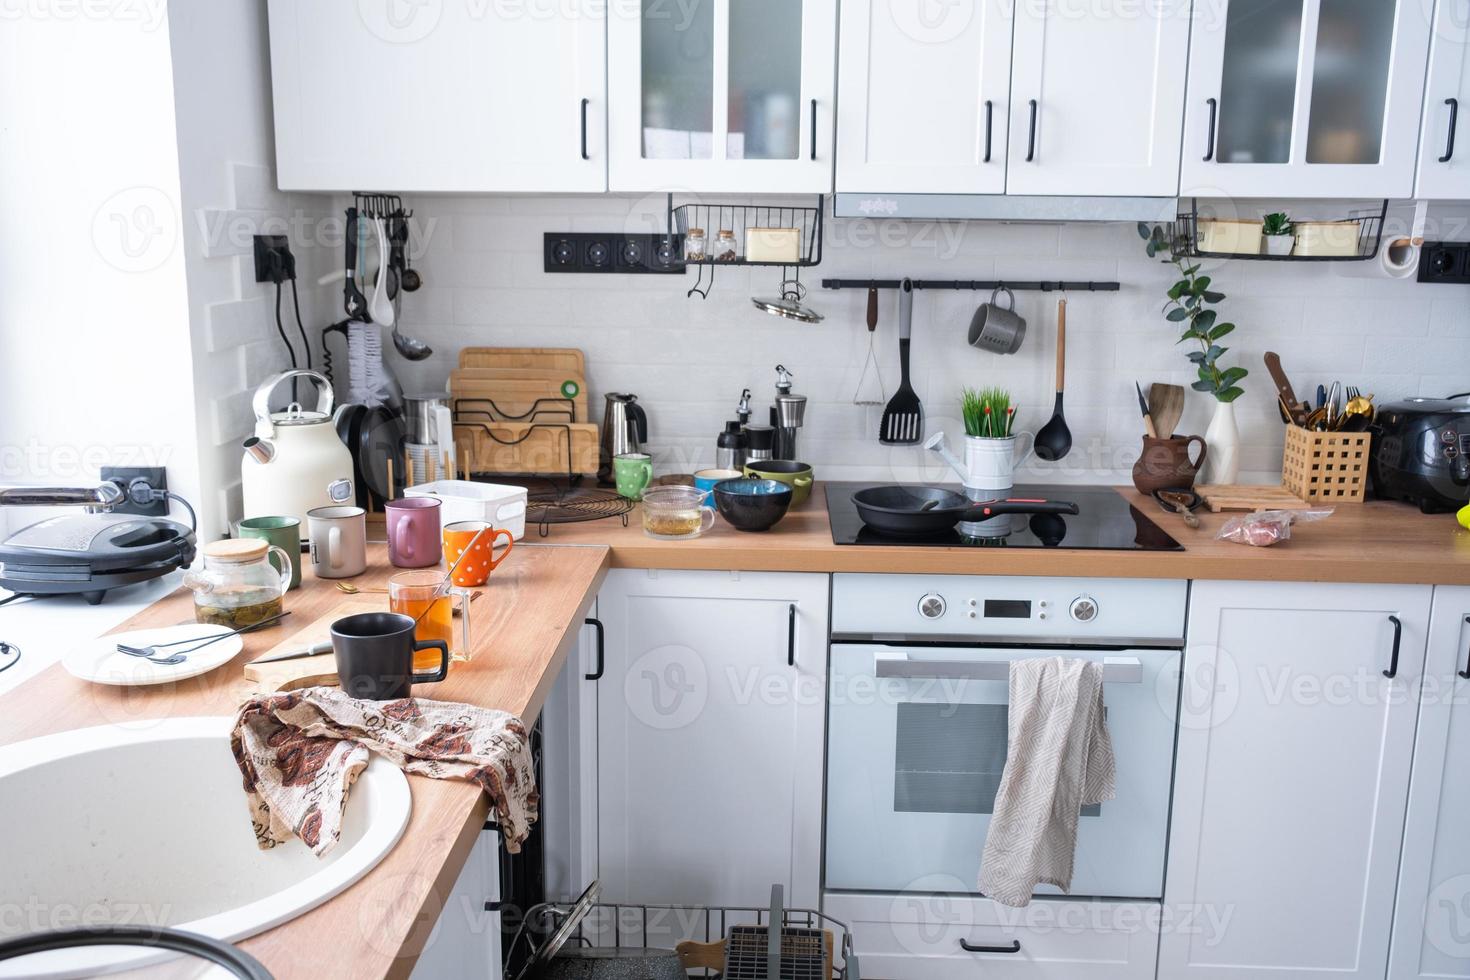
585	103
1031	135
791	635
1210	137
814	129
601	649
1449	146
1466	672
1014	947
1398	634
989	112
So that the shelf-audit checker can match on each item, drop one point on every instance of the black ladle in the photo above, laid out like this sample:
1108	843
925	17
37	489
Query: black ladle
1055	440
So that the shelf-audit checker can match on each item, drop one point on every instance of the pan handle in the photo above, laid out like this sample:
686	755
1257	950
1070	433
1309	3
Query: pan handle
995	508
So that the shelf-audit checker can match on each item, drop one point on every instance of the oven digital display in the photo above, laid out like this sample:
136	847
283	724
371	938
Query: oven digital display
1007	609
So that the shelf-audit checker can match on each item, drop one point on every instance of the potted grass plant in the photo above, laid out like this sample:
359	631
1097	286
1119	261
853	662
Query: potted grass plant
1279	233
990	441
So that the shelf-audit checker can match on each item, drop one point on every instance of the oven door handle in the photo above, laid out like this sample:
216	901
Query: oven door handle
896	663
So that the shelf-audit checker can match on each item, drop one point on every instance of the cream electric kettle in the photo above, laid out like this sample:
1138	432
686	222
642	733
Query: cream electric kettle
295	461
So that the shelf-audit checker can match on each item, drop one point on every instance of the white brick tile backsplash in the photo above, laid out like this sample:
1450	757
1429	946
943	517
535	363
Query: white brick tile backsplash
688	358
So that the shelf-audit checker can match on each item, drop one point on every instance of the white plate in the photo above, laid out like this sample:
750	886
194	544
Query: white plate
100	661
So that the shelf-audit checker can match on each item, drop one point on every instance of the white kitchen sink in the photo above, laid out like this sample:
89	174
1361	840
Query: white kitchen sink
147	825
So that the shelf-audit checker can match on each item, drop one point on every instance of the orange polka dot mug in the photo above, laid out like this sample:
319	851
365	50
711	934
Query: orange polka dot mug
480	562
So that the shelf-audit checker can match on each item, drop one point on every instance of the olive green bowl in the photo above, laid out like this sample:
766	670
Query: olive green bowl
798	476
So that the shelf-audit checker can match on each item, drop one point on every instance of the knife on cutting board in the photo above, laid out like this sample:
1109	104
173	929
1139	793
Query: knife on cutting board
315	650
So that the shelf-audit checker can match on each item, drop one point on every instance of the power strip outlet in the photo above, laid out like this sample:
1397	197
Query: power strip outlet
157	478
587	252
1445	262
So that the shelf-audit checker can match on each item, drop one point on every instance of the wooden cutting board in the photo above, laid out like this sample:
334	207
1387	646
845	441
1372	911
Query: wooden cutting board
518	397
1237	496
289	675
567	359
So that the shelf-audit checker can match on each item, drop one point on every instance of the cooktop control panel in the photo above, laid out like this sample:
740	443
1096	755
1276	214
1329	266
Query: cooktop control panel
985	608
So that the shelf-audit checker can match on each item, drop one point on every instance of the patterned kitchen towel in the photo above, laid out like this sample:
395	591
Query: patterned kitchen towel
1059	758
300	752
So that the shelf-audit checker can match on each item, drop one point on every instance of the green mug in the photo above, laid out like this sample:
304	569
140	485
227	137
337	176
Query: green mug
632	473
283	532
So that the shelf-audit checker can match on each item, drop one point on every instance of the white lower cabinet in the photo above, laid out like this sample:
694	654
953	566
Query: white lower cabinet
709	720
928	936
1431	928
466	940
1291	779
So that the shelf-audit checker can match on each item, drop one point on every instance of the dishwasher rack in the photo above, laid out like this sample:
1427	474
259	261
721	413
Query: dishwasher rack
637	925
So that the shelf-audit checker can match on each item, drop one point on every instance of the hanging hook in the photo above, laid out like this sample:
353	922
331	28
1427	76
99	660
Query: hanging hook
703	293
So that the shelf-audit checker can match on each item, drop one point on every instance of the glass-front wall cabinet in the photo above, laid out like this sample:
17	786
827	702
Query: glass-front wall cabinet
1304	98
732	95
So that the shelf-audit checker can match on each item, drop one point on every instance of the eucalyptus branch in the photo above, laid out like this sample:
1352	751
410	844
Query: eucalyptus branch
1189	302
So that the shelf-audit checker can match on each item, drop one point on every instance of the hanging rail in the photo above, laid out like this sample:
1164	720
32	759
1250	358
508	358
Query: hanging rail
1045	286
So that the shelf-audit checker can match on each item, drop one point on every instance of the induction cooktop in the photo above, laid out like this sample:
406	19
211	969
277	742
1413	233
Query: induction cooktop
1107	522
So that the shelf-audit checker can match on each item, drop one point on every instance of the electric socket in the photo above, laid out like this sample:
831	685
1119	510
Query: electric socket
273	259
157	478
587	252
1445	262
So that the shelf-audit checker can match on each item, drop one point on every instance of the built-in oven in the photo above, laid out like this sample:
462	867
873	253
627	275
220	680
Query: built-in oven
918	712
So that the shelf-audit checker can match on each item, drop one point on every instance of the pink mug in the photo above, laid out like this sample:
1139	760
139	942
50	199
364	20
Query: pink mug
413	532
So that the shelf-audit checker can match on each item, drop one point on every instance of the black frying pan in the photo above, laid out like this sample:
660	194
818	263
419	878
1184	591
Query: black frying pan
921	511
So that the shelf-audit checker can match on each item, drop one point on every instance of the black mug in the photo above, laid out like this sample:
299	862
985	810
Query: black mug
375	656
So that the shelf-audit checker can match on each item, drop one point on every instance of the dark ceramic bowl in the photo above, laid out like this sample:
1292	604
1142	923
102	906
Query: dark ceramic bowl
752	505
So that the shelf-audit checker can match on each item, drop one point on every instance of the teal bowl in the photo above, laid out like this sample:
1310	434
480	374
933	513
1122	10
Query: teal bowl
752	505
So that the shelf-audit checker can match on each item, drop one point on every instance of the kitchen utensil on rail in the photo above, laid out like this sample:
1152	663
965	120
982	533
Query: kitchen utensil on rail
191	644
353	301
1283	388
1148	420
1180	502
870	392
910	511
1165	406
1055	440
380	308
903	418
995	328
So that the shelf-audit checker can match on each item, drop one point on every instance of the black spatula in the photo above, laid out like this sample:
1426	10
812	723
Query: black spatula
903	416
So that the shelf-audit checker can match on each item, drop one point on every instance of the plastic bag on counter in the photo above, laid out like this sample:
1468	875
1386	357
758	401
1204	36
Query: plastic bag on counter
1267	527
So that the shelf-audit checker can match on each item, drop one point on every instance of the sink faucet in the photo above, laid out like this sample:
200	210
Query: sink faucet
96	500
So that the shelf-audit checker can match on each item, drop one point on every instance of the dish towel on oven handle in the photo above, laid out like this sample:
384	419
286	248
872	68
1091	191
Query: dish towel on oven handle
1059	758
300	752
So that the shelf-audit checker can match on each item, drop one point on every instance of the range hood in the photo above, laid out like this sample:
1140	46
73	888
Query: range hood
1003	207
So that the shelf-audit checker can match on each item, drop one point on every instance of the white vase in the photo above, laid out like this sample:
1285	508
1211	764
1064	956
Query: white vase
1222	439
1280	244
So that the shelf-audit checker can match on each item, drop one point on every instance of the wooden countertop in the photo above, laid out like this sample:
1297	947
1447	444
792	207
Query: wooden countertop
1373	542
522	630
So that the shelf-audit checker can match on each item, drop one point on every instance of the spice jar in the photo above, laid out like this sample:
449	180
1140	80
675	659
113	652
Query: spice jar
725	247
694	245
238	585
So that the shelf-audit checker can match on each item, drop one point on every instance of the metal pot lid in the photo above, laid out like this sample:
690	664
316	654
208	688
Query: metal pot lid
296	415
788	304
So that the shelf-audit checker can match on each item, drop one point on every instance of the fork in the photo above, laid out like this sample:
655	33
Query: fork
178	656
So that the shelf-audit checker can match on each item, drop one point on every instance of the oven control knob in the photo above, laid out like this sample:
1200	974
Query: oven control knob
1084	609
932	606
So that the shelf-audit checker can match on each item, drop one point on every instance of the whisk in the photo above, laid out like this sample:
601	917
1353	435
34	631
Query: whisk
870	382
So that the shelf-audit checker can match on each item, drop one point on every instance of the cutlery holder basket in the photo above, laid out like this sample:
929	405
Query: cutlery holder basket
1326	467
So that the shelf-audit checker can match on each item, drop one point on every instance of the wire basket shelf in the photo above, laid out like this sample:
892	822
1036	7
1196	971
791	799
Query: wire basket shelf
1185	238
740	219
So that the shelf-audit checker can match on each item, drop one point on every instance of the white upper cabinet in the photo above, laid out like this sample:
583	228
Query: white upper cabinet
439	96
1097	90
721	95
1444	155
923	97
1304	98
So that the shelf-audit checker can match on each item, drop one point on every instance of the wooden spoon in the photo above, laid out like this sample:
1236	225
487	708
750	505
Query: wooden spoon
1165	404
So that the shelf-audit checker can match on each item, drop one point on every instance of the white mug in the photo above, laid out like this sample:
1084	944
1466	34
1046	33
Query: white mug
338	541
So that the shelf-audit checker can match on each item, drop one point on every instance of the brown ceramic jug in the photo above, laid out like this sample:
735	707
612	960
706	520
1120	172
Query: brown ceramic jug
1165	464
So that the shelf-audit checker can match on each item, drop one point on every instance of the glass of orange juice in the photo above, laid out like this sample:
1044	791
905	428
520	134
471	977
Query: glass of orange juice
411	593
